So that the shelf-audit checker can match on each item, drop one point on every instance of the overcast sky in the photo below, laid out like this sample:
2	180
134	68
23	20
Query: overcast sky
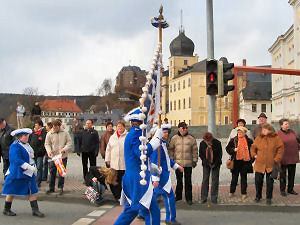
77	44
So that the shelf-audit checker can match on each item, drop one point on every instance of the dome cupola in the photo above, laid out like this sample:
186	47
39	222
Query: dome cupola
182	45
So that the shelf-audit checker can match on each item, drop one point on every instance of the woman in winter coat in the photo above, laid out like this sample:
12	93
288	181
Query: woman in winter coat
210	152
290	157
97	177
267	149
20	176
114	157
239	150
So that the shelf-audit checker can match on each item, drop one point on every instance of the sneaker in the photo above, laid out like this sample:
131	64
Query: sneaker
49	191
269	201
257	200
173	223
292	192
189	202
283	193
203	201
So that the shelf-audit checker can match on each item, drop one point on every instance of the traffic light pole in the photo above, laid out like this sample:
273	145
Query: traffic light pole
210	55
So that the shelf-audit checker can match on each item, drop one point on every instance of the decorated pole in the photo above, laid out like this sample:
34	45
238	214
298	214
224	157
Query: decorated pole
161	24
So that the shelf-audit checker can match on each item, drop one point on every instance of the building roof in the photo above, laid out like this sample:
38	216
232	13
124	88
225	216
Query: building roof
257	91
60	105
197	67
182	46
131	68
281	37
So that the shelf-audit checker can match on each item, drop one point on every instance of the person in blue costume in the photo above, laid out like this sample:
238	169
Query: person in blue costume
20	176
162	181
136	196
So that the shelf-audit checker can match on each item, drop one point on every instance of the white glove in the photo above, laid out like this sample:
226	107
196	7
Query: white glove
32	168
159	134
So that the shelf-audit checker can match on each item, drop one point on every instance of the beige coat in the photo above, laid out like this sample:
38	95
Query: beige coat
183	150
57	141
115	151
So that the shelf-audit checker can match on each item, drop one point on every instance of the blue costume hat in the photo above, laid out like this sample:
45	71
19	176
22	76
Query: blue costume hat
21	131
166	126
135	115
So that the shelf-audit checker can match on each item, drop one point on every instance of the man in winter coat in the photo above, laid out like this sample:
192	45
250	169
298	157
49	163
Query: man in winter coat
5	141
262	119
37	142
77	128
88	146
184	151
58	141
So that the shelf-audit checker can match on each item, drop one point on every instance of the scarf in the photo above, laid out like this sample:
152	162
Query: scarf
242	149
209	152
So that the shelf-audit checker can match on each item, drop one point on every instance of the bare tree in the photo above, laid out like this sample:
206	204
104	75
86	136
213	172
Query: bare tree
105	88
31	91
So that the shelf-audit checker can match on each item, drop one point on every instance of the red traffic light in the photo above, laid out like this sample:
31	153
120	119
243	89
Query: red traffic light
212	77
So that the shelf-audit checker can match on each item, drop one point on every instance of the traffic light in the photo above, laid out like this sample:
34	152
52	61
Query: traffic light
211	77
224	75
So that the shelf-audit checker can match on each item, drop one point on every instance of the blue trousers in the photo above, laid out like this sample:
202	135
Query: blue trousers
39	166
170	206
151	215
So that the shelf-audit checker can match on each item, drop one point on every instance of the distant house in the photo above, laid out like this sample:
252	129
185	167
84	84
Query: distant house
63	109
255	97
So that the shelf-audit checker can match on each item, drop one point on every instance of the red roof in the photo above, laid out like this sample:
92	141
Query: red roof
60	105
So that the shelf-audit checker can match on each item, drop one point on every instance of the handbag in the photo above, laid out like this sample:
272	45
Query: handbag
276	171
91	194
230	164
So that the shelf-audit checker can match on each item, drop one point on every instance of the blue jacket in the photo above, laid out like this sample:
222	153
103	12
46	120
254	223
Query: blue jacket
135	194
166	164
17	157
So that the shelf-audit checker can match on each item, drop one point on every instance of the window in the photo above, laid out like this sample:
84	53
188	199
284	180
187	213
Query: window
201	102
226	102
190	123
175	123
253	121
171	106
174	105
171	88
185	62
184	103
170	63
178	104
254	108
174	87
190	102
226	120
263	108
178	85
183	84
171	122
189	82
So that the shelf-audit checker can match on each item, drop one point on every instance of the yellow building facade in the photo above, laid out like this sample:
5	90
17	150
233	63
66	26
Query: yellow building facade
184	95
285	53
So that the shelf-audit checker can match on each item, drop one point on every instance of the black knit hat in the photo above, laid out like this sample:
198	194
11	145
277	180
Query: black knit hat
182	124
241	120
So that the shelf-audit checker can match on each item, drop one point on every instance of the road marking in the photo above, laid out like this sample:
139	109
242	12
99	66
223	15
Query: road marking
84	221
106	206
97	213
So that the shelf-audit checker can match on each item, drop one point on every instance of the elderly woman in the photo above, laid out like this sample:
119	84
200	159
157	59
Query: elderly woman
267	149
239	150
290	157
20	177
114	157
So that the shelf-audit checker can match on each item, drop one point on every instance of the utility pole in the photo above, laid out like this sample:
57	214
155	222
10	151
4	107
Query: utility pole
210	55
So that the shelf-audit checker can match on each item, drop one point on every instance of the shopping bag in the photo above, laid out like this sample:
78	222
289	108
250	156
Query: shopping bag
59	165
91	194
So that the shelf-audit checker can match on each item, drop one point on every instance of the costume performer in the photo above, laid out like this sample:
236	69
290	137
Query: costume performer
20	176
164	186
136	196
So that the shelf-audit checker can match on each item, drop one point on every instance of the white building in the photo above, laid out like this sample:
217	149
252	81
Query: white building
285	53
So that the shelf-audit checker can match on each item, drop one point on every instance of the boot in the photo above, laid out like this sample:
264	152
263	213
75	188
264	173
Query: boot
35	209
7	210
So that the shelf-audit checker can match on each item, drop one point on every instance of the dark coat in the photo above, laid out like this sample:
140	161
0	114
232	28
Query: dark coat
217	153
37	142
233	143
94	172
89	141
36	110
6	140
291	153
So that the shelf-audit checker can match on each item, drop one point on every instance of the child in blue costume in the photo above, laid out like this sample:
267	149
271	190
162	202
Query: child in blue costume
135	196
20	176
163	181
